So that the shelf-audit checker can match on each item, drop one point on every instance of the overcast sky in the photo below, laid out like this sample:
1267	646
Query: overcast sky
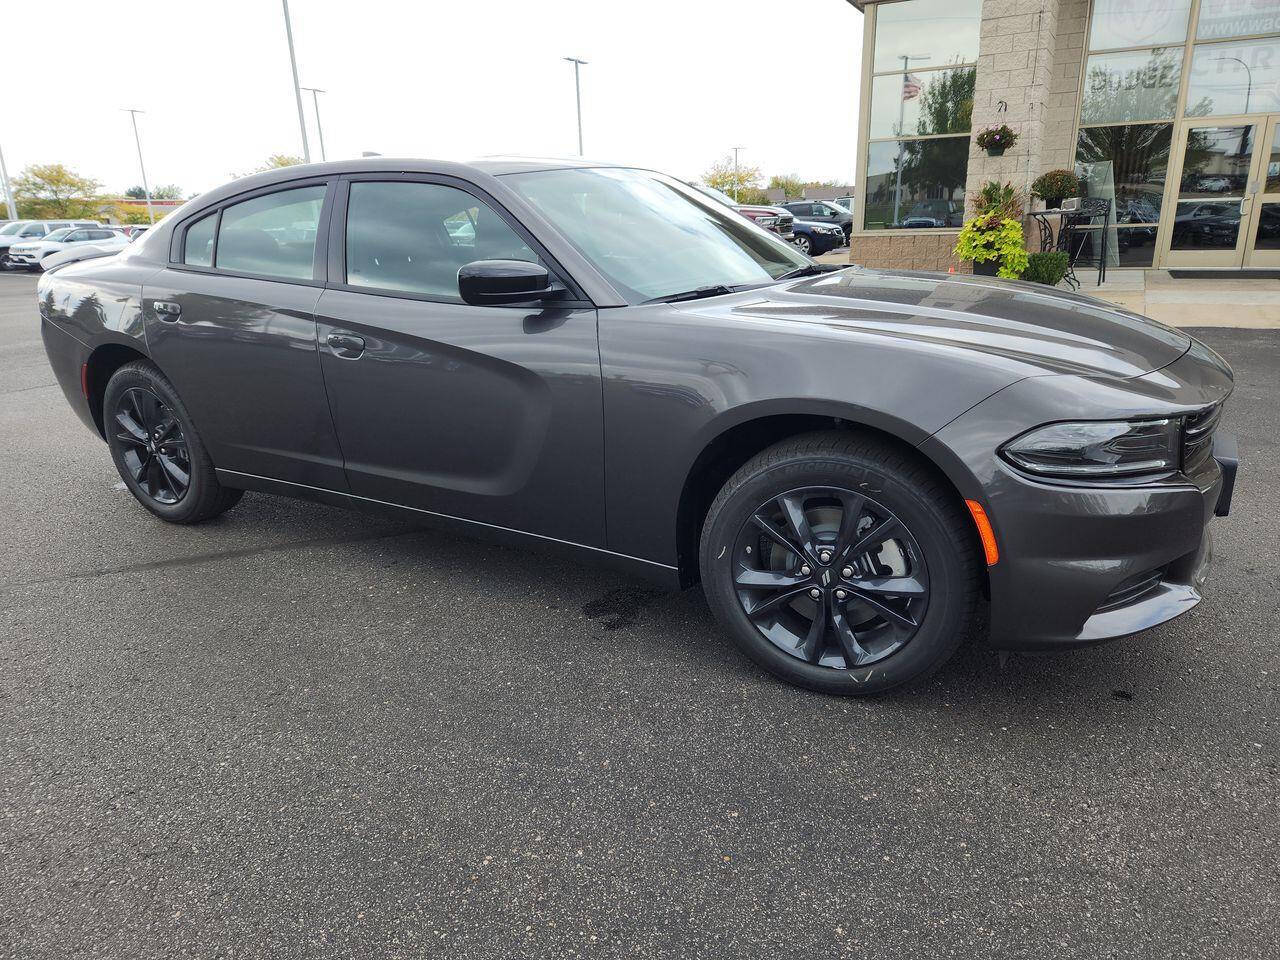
671	84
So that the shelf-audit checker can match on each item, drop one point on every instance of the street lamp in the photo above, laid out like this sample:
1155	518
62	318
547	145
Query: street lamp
319	129
902	106
1248	74
297	91
577	92
146	189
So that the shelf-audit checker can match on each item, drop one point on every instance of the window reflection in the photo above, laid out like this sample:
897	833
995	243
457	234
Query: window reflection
1229	78
1273	164
1220	19
916	183
1206	225
1216	162
1139	155
920	103
1123	23
1120	87
947	30
1268	237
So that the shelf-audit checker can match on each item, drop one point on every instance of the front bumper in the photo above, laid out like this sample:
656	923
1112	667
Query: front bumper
20	259
1083	564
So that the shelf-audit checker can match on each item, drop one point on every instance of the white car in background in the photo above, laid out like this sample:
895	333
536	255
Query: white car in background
31	253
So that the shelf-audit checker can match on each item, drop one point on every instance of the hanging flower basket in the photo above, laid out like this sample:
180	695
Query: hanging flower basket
996	140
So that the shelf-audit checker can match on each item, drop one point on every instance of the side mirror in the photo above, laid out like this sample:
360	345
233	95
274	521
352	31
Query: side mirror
486	283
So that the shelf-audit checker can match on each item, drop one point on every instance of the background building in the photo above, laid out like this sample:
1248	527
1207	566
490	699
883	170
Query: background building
1172	107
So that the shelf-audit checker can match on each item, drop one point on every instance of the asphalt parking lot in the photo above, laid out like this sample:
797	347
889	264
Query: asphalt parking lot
297	731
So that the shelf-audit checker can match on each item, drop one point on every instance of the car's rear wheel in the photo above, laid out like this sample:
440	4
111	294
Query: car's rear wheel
803	244
156	449
841	564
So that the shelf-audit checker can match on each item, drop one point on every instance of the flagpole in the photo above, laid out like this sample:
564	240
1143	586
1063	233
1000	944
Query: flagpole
902	106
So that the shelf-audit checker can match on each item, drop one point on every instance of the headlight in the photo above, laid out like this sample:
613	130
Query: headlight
1097	450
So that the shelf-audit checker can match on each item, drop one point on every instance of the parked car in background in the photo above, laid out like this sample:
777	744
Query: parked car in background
775	219
934	213
816	239
822	211
846	202
28	254
615	366
20	230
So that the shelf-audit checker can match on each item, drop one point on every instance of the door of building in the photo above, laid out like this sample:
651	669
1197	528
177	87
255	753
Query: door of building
1225	205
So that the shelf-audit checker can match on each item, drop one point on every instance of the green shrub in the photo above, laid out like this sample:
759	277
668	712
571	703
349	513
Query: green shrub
1048	267
992	237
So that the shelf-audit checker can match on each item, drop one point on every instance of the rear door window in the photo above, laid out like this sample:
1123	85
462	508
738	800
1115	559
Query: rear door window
413	237
272	235
197	248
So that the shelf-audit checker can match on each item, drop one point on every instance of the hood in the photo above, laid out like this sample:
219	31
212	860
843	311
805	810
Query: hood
1044	330
763	209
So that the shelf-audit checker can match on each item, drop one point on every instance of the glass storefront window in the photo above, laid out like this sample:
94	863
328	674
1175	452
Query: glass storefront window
1268	236
945	30
1220	19
1136	246
1122	87
1216	162
922	103
1272	172
1228	78
1123	23
1139	155
915	183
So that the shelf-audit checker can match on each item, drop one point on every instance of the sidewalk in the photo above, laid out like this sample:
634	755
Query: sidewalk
1217	302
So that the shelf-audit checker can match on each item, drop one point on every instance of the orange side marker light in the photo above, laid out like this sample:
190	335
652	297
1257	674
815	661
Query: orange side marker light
985	532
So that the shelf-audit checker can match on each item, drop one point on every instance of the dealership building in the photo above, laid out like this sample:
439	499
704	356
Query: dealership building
1169	107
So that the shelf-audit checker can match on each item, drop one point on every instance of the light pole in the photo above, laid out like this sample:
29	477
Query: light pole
297	91
319	129
577	92
8	194
1249	81
902	106
146	188
735	173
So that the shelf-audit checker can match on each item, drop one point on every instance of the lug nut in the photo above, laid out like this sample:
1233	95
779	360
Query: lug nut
846	572
840	594
824	556
815	593
805	571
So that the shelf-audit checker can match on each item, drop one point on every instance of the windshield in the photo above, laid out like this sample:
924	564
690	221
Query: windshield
9	229
59	234
652	236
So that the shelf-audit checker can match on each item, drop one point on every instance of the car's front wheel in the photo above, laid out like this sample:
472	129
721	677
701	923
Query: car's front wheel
841	564
803	244
156	448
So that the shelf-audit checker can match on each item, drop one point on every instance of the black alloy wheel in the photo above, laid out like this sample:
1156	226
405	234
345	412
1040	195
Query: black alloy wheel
803	243
831	577
159	454
155	449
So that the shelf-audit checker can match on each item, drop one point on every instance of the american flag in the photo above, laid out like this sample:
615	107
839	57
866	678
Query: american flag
910	86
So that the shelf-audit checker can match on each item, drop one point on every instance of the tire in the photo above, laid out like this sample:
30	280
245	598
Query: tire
803	244
139	405
881	492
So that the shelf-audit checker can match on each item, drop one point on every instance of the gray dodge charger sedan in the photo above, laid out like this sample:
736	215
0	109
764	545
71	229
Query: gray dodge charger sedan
601	360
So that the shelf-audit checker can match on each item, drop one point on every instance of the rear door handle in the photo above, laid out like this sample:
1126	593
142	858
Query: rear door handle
345	345
167	310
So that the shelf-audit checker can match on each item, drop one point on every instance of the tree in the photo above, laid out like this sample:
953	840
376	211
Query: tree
274	162
790	184
739	182
50	190
167	191
136	193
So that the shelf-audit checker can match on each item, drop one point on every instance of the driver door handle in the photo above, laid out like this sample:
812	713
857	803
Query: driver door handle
345	345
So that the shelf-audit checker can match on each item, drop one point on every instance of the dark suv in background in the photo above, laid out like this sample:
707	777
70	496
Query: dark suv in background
822	211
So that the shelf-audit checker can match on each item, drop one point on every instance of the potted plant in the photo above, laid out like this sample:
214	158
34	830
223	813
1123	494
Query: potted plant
995	244
1047	267
1055	186
996	140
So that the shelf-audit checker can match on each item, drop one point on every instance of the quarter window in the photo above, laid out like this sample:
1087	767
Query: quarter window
272	235
413	237
197	249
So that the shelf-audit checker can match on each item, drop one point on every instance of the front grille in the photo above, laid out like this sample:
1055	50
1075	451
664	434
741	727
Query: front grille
1133	589
1197	437
784	224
